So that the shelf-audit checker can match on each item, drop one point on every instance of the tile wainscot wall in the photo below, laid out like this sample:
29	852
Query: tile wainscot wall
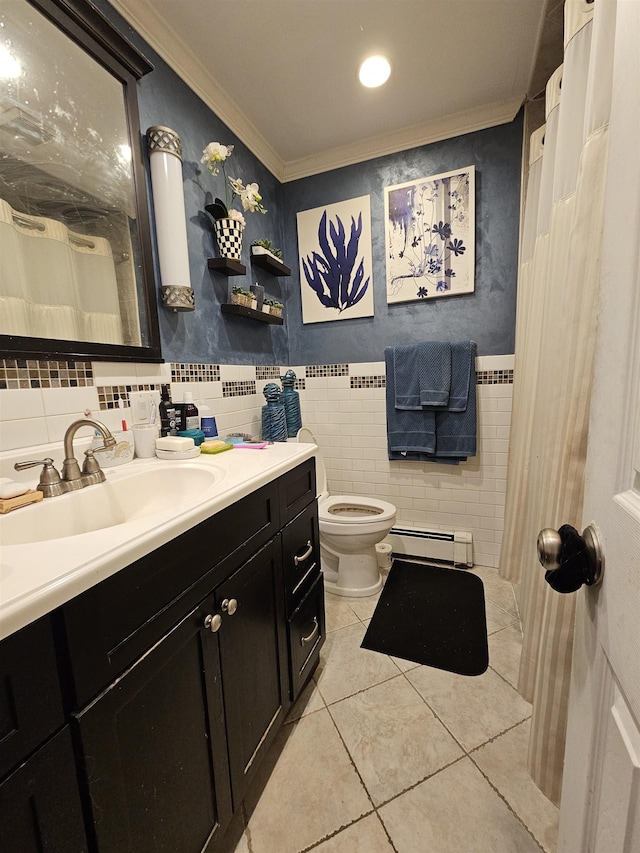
343	405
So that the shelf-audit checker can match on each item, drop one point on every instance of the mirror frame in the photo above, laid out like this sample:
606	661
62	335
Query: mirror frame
88	27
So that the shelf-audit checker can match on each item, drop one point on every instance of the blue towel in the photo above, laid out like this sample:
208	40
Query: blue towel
452	432
407	429
456	428
422	374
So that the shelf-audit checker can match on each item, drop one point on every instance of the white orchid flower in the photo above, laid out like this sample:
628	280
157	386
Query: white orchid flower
215	153
249	195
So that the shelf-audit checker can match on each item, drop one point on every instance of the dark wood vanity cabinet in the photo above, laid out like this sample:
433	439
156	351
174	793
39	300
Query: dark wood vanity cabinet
40	807
178	672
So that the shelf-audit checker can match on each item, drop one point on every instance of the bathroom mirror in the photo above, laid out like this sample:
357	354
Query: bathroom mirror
76	271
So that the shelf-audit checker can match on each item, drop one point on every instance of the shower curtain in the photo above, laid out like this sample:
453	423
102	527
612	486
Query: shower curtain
558	289
55	283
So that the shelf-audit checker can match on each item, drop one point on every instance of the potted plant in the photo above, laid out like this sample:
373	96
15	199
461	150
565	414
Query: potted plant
240	296
264	247
276	308
267	304
229	223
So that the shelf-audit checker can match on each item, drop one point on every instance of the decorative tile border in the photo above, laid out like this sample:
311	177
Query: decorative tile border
31	373
368	382
184	372
483	377
267	371
316	370
243	388
16	373
494	377
300	384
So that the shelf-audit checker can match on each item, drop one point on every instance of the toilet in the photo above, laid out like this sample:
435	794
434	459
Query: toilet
350	528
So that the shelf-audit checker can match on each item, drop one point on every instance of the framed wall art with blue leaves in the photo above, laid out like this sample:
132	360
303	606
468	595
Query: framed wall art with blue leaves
429	237
336	268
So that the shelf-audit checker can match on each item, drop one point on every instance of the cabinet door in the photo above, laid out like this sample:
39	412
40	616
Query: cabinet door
154	749
254	663
40	809
30	700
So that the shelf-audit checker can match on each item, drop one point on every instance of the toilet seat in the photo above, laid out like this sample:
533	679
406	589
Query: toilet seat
354	509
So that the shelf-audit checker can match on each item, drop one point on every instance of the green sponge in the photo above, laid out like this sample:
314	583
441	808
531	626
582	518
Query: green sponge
215	445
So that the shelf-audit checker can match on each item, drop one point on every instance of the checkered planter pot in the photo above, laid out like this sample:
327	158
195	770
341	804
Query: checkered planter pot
229	236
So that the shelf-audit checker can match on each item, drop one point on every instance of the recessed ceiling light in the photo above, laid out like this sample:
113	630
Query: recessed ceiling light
374	71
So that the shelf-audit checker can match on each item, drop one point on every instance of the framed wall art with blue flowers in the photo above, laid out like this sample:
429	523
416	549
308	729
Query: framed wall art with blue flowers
429	238
336	268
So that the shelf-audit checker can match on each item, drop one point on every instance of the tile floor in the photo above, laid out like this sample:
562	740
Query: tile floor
383	755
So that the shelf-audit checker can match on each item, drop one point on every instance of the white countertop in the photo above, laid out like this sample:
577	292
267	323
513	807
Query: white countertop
37	577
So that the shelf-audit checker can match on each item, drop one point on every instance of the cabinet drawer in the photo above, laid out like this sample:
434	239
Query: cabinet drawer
306	636
30	699
113	623
297	490
301	554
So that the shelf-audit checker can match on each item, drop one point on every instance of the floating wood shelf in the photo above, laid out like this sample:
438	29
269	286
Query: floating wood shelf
270	264
227	266
243	311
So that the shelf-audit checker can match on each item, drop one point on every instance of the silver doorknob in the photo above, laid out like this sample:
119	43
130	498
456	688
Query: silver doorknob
213	623
571	559
229	605
549	548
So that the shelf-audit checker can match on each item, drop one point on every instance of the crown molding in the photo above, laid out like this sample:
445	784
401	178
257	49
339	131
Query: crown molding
145	20
141	15
447	127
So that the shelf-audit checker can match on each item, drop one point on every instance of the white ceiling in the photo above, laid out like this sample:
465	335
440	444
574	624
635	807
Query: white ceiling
282	74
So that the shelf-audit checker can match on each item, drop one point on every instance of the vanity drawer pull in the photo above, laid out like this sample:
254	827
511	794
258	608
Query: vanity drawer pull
312	635
297	560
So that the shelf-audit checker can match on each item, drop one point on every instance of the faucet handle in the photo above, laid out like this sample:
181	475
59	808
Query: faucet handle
91	470
50	483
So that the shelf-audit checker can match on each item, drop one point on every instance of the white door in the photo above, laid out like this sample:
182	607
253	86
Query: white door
600	809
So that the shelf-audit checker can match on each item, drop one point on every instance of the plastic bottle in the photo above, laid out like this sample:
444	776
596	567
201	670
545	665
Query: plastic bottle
190	419
167	410
207	421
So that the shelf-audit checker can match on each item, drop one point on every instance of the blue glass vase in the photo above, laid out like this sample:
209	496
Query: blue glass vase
291	403
274	421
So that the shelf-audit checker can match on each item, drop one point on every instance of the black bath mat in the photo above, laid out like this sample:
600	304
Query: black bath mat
433	616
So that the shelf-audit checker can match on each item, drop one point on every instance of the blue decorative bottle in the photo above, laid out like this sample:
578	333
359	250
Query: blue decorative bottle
274	422
291	403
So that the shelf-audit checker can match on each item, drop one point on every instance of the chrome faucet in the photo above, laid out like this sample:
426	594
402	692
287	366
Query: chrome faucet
51	483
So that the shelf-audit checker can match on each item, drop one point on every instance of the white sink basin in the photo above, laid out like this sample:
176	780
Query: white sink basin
123	498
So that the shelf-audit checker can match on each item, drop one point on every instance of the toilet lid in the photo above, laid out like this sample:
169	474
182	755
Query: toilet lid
354	509
305	436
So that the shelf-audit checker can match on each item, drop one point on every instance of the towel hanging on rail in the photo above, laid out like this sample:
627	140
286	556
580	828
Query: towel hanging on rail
433	434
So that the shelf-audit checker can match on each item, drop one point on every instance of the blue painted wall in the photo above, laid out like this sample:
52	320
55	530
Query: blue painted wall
487	316
205	335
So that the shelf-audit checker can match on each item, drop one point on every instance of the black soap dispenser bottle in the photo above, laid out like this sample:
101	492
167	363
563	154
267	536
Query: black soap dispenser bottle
167	411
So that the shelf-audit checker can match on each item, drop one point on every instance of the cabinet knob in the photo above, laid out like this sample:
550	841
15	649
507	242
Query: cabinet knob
229	605
305	556
213	623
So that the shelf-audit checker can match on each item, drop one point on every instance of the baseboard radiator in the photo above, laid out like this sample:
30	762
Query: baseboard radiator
453	547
